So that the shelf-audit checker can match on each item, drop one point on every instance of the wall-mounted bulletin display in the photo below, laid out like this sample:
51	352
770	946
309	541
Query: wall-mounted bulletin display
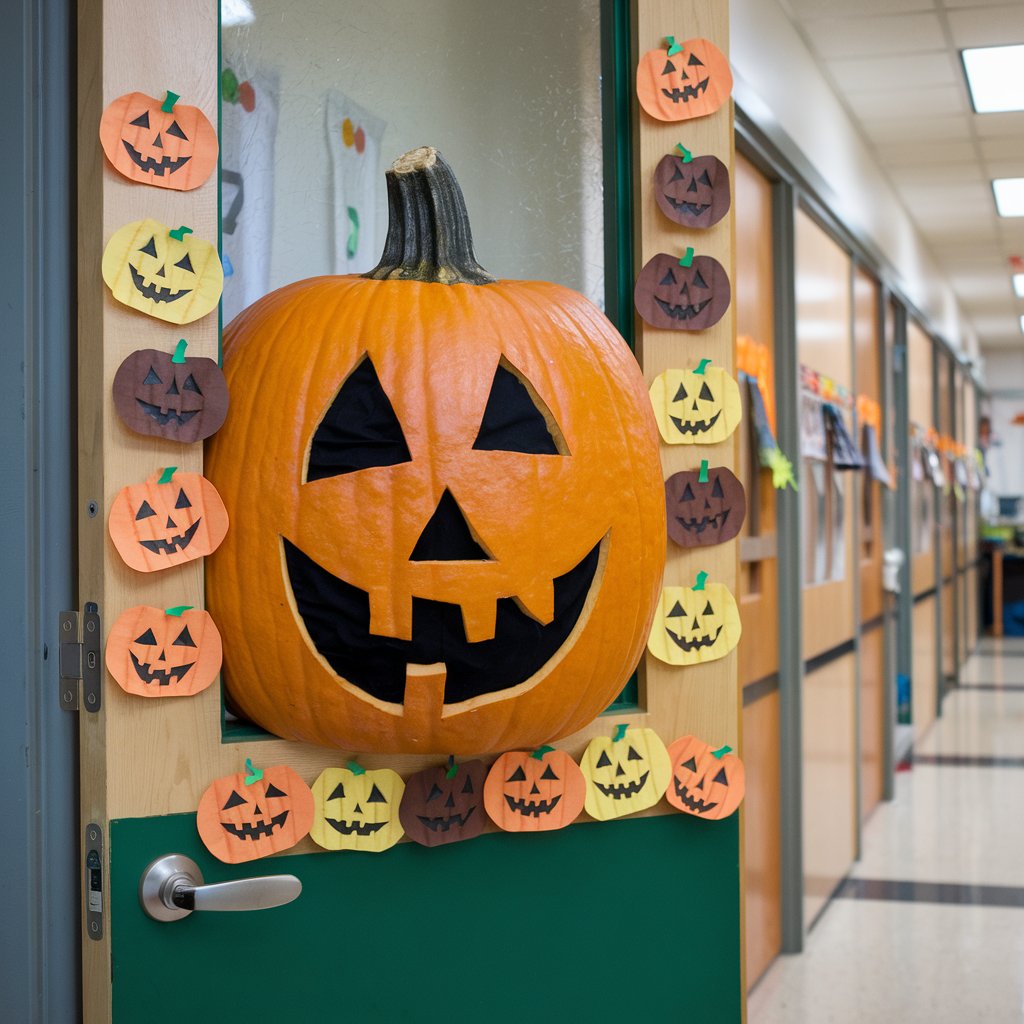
692	191
698	406
682	293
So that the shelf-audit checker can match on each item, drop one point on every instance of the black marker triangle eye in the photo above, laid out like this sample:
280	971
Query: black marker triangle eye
184	639
142	121
705	393
677	610
694	59
680	394
191	385
435	792
234	800
633	755
517	776
549	774
152	378
669	278
690	765
604	760
376	796
338	793
716	490
688	493
145	511
708	610
516	419
185	263
704	179
272	790
182	501
676	176
698	279
147	638
176	131
668	68
468	787
720	777
149	248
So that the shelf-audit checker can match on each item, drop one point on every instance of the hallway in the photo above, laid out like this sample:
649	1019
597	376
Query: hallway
929	927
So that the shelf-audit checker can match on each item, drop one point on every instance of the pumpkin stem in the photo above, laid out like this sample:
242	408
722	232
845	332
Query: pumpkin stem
452	767
167	475
178	610
169	100
703	477
620	732
722	751
255	774
179	351
429	238
541	751
356	768
701	580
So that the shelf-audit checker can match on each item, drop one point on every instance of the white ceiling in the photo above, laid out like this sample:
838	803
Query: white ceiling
895	65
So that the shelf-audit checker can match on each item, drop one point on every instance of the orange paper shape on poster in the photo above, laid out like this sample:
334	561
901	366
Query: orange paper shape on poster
240	820
158	142
754	358
682	81
537	791
169	519
706	783
157	653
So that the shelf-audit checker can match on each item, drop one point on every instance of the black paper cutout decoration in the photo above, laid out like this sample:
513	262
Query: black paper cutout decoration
844	452
514	421
447	537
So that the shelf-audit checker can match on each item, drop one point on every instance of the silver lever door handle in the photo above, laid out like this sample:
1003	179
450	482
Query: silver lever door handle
172	887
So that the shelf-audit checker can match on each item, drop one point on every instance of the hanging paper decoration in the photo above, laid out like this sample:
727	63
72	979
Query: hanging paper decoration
754	359
165	273
254	813
706	783
695	624
182	398
844	451
813	439
768	452
158	142
534	791
155	653
171	518
700	406
444	804
356	809
625	772
692	190
704	506
682	294
869	415
683	80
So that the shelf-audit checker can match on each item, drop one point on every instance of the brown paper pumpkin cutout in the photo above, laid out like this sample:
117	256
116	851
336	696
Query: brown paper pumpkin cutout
158	142
693	193
155	653
245	816
444	804
534	791
182	398
170	518
679	82
706	783
675	297
357	809
699	512
625	772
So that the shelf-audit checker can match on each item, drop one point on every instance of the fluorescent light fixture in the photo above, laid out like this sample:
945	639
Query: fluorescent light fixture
1009	193
1022	324
994	77
1018	285
235	12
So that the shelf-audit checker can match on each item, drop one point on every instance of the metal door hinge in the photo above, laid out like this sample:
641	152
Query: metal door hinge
79	659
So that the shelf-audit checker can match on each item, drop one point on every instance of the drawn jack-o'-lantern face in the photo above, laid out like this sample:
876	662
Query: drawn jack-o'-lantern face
162	143
680	298
707	783
444	804
699	406
695	193
534	792
625	773
692	81
695	624
357	809
154	653
241	820
700	513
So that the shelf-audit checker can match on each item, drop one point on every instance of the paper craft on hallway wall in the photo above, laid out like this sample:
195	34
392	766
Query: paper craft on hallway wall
169	519
444	803
357	808
692	190
844	451
769	454
168	274
534	791
695	624
254	813
682	293
706	783
159	142
182	398
704	506
156	653
813	441
698	406
625	772
682	80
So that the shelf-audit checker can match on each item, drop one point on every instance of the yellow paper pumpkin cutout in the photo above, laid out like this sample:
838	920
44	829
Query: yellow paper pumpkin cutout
693	626
151	269
625	772
700	406
357	809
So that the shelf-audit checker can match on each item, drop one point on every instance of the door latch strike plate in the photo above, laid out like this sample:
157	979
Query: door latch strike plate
79	658
93	885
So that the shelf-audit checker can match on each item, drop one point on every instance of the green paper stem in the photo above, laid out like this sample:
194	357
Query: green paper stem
721	752
255	774
355	768
673	46
702	367
687	260
179	233
540	752
452	767
703	477
620	733
167	475
229	85
701	580
169	100
687	155
178	610
179	351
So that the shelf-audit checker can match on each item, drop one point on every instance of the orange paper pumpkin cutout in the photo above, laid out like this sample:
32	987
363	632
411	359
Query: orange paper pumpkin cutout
154	653
158	142
247	816
171	518
534	792
706	783
677	83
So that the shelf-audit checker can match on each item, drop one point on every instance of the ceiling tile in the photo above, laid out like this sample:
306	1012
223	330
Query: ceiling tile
936	172
875	35
894	73
994	126
942	99
908	154
840	8
987	26
924	130
1007	148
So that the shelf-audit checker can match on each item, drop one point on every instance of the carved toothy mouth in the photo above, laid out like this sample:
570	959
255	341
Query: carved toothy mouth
532	808
694	209
444	824
695	426
694	803
694	645
688	92
623	789
686	312
151	291
163	418
178	543
256	830
162	677
700	525
148	163
360	828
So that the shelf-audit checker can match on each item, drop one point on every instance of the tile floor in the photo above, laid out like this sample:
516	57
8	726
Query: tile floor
925	953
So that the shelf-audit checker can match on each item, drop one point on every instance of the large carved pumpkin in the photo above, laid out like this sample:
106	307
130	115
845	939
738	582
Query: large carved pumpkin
448	518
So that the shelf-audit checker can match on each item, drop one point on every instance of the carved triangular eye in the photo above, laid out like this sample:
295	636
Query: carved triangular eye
338	792
549	774
152	378
272	790
516	418
145	511
150	247
185	263
518	775
688	493
698	278
680	394
633	755
360	429
716	490
604	760
690	765
677	610
468	787
669	277
182	501
708	610
720	777
692	187
668	68
176	131
435	792
677	175
147	638
694	59
142	121
191	385
705	393
233	801
376	796
704	179
184	639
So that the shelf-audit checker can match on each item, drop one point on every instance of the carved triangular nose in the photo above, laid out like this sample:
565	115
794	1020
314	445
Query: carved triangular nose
447	537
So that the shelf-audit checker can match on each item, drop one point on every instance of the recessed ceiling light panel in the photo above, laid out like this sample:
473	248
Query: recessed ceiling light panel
994	77
1018	284
1009	193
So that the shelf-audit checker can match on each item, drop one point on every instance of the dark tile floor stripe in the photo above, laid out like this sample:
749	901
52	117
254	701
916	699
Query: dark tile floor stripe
989	686
967	761
931	892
